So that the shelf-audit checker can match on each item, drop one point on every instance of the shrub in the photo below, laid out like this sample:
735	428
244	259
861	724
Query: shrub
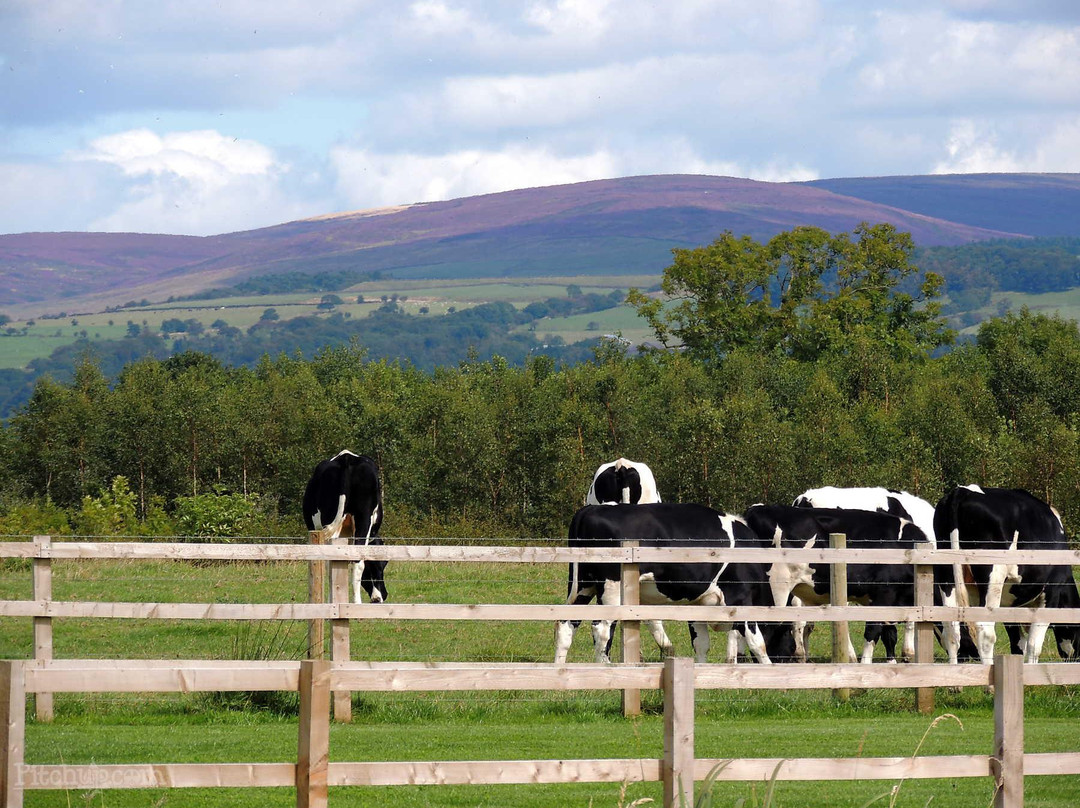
216	516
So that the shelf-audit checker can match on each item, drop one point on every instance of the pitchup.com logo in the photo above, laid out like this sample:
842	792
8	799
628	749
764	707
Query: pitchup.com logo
80	777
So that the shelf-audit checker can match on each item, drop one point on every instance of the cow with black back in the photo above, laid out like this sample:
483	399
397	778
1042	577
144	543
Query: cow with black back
973	518
344	498
869	584
623	481
914	509
693	583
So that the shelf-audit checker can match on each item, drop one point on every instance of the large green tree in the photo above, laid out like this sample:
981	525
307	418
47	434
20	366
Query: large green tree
804	293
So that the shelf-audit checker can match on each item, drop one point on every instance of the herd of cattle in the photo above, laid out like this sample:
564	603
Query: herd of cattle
344	497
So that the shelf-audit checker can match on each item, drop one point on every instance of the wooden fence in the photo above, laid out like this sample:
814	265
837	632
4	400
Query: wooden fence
312	773
320	682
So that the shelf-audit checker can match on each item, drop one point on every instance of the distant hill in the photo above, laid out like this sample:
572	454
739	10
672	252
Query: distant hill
1032	204
608	227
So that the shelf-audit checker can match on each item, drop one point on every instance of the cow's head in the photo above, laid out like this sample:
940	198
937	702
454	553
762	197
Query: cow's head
779	641
373	582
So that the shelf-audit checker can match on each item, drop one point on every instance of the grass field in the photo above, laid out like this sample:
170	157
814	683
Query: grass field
121	728
39	340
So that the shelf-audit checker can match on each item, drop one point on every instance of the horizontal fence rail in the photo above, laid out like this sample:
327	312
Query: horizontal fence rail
313	773
523	612
183	551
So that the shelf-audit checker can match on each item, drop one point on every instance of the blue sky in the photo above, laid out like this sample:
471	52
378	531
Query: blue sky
210	116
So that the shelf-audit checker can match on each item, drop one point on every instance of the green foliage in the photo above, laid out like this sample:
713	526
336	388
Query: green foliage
34	518
216	516
110	514
805	293
1016	265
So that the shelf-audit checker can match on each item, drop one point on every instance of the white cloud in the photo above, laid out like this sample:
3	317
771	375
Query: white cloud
924	61
974	148
368	179
197	183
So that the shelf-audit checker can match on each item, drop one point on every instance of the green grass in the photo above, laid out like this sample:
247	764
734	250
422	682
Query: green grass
118	728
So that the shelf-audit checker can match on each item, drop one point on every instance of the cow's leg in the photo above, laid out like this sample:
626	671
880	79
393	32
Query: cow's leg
357	581
656	628
1036	638
871	635
885	633
564	629
986	632
1017	641
735	646
755	641
699	639
909	641
888	639
602	629
950	630
852	656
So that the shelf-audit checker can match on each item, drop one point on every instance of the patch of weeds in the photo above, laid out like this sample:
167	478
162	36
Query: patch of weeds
262	640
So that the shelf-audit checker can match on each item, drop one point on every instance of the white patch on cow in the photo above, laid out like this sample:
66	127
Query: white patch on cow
868	652
344	452
977	489
1067	649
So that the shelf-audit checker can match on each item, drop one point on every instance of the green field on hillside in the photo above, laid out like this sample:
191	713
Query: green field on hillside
118	728
37	339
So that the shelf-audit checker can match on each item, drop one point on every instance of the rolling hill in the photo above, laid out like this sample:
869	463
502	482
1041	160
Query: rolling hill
609	227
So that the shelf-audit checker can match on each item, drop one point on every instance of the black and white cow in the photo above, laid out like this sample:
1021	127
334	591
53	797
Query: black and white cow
871	584
707	583
1061	593
344	497
974	518
623	481
906	506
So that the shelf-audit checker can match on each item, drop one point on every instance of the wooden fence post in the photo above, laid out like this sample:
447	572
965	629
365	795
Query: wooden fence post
678	767
924	634
313	747
43	633
316	594
838	596
339	632
631	630
1007	764
12	732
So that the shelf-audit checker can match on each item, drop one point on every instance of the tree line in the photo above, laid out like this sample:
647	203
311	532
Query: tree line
790	365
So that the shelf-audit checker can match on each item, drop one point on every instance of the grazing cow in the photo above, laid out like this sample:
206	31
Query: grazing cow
1061	593
622	481
872	584
916	510
707	583
974	518
344	497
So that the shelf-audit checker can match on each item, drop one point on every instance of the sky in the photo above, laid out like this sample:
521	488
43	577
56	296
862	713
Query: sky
210	116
